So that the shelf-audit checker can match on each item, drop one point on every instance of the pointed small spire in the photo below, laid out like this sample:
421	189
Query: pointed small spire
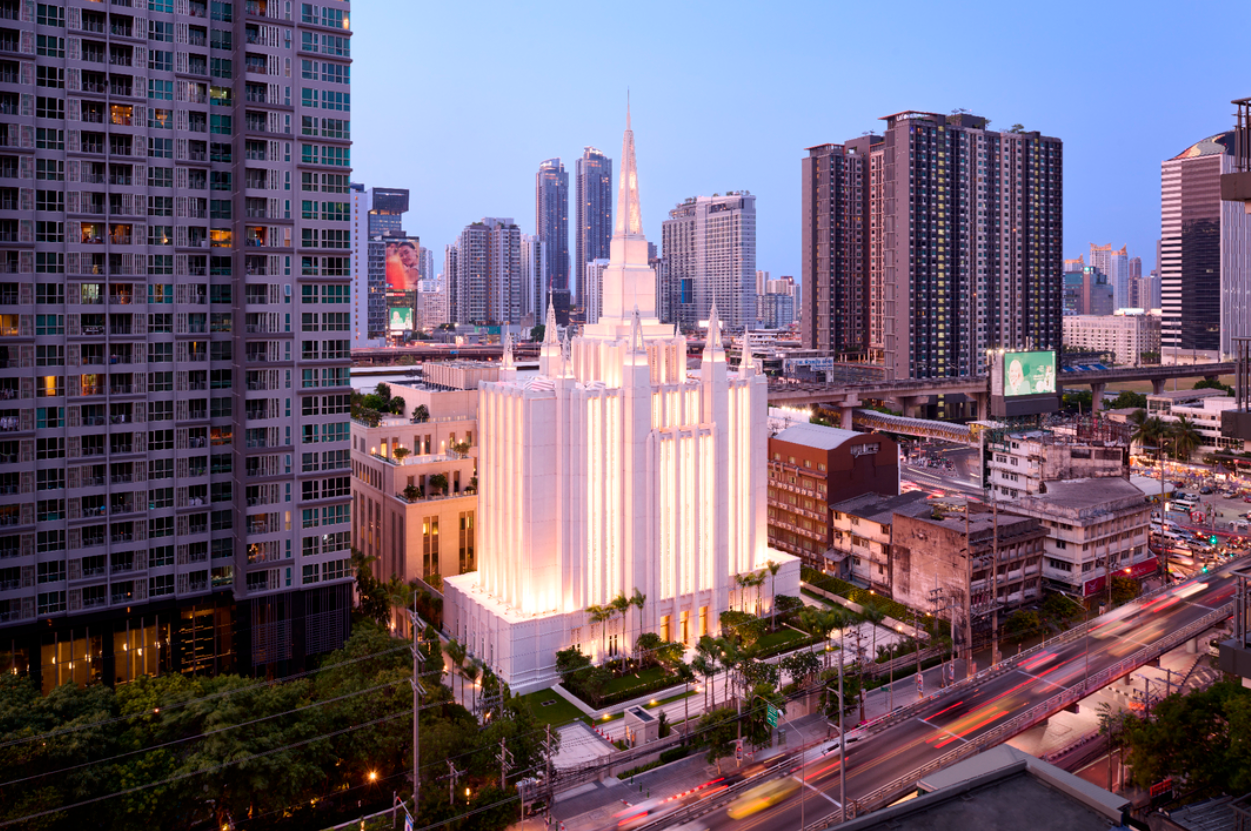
549	324
636	332
629	220
714	328
507	359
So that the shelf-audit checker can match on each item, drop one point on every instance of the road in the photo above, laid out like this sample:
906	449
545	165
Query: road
967	713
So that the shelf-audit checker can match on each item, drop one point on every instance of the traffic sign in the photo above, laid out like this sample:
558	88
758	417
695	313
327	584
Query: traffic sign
772	716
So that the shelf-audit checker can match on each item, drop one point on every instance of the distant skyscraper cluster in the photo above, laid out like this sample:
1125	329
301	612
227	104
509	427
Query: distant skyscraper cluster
593	228
551	226
709	247
487	287
928	246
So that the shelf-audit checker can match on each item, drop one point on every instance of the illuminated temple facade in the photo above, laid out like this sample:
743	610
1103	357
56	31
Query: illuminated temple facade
615	470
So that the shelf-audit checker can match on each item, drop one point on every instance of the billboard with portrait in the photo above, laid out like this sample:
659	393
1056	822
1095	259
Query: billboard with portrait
1029	373
403	264
400	319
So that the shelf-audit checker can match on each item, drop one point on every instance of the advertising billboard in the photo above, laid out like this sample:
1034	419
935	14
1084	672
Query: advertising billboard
400	319
1029	373
403	258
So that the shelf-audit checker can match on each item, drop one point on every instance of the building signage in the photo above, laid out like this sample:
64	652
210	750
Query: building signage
1029	373
865	449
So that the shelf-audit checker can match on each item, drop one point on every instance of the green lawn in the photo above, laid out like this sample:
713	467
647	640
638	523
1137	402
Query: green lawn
634	679
672	698
781	637
557	713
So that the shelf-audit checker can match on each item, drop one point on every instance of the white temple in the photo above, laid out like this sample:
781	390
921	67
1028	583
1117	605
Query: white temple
615	470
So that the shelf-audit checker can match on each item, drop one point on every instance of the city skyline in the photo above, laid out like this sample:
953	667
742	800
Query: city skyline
749	130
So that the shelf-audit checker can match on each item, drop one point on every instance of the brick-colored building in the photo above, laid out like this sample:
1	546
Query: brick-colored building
811	467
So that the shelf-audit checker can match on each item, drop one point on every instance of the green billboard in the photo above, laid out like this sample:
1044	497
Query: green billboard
1029	373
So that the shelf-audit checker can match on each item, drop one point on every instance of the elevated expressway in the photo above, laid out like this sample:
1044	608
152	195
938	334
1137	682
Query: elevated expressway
987	709
909	395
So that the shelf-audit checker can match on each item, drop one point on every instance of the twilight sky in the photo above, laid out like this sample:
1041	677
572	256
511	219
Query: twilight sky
460	101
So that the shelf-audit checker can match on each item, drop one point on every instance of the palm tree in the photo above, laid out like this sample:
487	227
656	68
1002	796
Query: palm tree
820	622
742	581
471	672
399	595
773	568
638	601
1186	437
601	614
619	606
686	675
706	667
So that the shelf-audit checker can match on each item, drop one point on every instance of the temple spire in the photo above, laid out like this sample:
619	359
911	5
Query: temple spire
549	324
506	360
636	332
714	328
629	220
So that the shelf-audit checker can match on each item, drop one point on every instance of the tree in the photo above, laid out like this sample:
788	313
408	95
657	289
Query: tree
1213	384
686	675
801	666
1199	738
1124	589
1148	430
773	568
619	606
1127	399
601	615
756	728
716	732
437	483
707	667
1017	128
648	644
638	600
1185	436
374	602
383	391
400	453
412	493
537	332
788	607
457	652
1022	623
873	614
421	414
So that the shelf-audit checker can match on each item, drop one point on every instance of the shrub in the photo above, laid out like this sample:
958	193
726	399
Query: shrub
673	754
745	628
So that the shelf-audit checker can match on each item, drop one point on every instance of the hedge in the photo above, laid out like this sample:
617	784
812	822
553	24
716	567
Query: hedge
856	594
673	754
789	646
625	695
626	774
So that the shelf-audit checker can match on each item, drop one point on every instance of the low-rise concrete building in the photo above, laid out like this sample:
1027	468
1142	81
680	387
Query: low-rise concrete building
942	561
1203	408
812	466
1020	463
1093	526
860	546
414	485
1128	334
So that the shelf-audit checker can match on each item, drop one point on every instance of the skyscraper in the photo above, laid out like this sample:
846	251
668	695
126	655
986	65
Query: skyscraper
593	230
1204	287
533	267
614	471
593	290
377	214
551	225
710	244
963	243
181	341
1114	265
488	273
836	247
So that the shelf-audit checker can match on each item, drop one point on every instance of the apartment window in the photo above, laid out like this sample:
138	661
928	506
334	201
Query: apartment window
49	170
50	603
49	324
221	125
160	60
49	355
160	148
50	76
46	541
160	177
161	31
49	231
46	107
50	46
50	15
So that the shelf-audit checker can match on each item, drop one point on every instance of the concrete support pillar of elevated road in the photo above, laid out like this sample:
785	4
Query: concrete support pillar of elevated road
910	405
1157	385
982	400
848	411
1096	398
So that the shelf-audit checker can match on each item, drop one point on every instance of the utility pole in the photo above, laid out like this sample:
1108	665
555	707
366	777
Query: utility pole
994	582
417	659
452	776
860	659
547	765
506	764
842	746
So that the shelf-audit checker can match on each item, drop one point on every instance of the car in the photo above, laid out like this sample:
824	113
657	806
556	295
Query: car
1206	491
761	797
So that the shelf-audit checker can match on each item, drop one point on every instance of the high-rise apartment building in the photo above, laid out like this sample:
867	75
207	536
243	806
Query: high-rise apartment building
837	245
593	291
488	273
962	241
377	214
1114	264
593	230
710	244
178	324
551	225
1204	271
533	267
